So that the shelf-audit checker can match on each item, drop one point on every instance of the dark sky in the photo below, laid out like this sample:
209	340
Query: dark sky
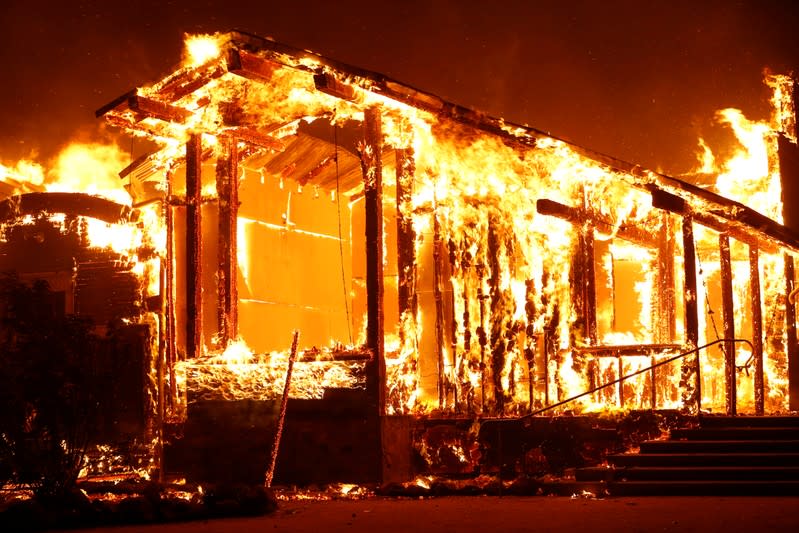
636	80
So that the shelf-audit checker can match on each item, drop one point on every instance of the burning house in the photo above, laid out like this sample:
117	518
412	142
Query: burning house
439	264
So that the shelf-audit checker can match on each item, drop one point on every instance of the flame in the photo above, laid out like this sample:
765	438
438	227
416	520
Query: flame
23	173
238	373
498	321
200	49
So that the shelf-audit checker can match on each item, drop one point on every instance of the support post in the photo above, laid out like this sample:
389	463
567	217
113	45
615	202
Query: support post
406	237
438	268
691	318
666	310
227	187
194	310
757	327
589	283
169	305
729	324
790	329
371	162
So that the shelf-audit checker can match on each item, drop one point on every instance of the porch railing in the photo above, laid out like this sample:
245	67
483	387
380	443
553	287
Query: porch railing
648	369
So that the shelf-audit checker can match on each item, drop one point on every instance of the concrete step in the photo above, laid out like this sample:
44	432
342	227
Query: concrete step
689	473
748	421
704	488
704	459
736	433
719	446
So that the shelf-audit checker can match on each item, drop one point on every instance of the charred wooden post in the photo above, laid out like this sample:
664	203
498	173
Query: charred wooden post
455	270
590	284
666	307
482	337
653	393
438	268
194	310
530	340
372	166
757	327
406	236
227	185
729	323
790	329
169	303
690	368
502	305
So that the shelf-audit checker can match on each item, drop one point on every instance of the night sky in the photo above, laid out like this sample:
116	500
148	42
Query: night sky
636	80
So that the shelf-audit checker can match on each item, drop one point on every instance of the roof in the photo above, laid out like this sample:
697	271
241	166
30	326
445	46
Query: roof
308	159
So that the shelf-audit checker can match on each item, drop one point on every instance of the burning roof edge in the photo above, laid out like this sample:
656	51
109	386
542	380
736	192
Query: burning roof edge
672	194
74	203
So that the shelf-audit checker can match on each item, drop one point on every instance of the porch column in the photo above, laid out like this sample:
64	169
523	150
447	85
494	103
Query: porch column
691	318
227	187
194	308
371	162
729	323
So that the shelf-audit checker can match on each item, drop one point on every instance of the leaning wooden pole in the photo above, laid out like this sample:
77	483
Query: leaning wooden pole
270	471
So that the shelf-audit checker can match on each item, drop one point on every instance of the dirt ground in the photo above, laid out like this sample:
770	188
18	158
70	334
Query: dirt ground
510	514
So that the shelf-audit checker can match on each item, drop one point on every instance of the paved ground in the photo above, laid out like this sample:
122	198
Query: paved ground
492	514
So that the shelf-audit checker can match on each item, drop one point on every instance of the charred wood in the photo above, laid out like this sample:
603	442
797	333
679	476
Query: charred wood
194	310
372	167
729	323
757	327
690	378
148	108
227	182
790	327
580	216
250	66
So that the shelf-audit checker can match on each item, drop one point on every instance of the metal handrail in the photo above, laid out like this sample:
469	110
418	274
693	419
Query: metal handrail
638	372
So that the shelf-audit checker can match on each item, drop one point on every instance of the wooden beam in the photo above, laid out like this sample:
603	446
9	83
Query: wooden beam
329	84
250	66
254	136
790	330
148	108
690	368
187	80
227	185
630	350
729	323
371	164
757	327
194	309
746	226
578	216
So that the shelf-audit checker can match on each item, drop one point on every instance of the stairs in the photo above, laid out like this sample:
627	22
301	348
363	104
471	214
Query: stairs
723	456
